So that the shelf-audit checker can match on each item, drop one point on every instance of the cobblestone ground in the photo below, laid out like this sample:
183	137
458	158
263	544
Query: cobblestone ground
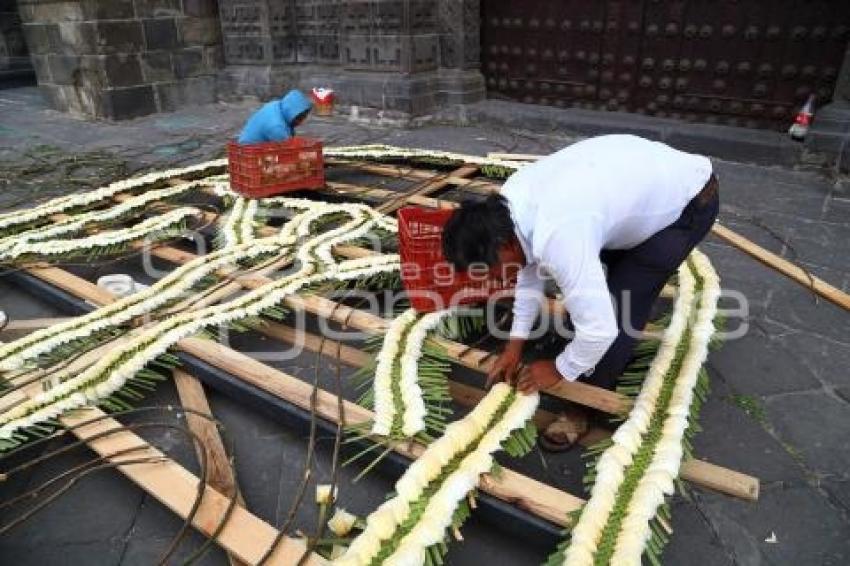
779	407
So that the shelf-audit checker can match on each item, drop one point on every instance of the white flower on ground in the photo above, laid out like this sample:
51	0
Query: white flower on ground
342	522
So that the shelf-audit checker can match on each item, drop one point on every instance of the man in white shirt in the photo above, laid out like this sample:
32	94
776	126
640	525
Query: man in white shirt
610	219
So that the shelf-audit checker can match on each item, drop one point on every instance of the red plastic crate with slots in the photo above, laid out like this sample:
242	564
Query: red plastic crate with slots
265	169
431	282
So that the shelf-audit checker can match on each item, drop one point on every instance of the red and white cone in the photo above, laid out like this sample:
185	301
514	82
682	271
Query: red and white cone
800	127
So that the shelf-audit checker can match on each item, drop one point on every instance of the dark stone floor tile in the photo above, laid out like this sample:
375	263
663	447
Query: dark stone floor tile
806	527
816	425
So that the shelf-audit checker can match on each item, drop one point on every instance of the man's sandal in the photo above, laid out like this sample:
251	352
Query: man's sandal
565	431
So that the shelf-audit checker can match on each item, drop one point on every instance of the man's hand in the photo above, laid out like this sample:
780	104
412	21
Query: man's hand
539	375
506	366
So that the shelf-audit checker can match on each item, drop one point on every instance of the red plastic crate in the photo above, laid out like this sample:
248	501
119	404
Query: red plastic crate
431	282
266	169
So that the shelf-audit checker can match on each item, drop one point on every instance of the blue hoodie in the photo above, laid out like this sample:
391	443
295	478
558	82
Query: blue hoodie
273	122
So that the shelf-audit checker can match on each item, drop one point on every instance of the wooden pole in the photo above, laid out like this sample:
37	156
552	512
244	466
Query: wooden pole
768	258
698	472
542	500
220	470
535	497
428	188
783	266
245	537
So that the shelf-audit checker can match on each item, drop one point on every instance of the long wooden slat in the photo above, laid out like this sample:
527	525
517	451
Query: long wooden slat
696	471
208	441
245	536
540	499
411	173
428	188
545	501
514	156
768	258
19	328
783	266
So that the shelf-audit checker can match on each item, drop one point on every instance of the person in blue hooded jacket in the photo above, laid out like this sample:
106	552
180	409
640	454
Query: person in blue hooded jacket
277	120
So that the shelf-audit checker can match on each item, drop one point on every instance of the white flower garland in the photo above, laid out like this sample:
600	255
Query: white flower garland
61	204
151	227
112	371
402	346
693	316
78	222
246	226
413	418
476	436
385	402
229	232
14	355
658	481
378	152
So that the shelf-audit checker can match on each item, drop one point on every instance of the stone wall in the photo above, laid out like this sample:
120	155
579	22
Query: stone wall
391	58
14	57
120	59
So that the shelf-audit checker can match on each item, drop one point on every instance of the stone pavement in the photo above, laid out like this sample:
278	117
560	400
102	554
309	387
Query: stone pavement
780	405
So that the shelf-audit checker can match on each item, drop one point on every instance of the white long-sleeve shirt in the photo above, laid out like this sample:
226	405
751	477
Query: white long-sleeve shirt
607	192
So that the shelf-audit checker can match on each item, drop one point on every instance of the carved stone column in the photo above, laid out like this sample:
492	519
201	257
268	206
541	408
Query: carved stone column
461	81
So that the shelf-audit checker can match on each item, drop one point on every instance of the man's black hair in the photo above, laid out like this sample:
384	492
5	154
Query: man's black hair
477	230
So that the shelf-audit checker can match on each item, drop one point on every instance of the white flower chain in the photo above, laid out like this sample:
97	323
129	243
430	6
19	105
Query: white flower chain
146	228
385	402
103	378
61	204
659	479
459	437
15	354
229	233
379	152
413	418
660	475
610	469
78	222
247	223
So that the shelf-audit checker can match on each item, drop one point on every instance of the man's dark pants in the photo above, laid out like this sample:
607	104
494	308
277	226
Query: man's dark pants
637	276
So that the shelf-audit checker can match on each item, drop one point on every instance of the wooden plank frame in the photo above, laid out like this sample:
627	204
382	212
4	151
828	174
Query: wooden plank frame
558	502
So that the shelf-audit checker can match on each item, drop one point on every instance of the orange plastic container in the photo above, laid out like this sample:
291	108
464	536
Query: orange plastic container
431	282
273	168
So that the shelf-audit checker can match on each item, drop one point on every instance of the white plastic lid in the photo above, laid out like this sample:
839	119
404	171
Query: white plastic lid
119	284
